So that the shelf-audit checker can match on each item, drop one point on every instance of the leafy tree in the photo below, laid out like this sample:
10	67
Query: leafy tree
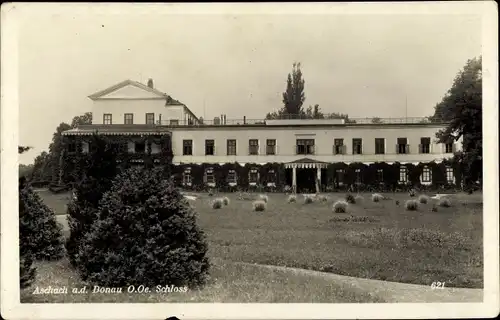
99	169
41	167
336	115
461	107
84	119
293	97
376	120
25	170
145	234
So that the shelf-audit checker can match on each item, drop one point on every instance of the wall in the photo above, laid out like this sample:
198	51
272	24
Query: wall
324	140
137	107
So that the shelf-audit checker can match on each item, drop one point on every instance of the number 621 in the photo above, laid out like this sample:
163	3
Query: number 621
437	285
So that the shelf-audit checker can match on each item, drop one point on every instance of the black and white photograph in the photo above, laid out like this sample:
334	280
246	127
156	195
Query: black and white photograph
249	160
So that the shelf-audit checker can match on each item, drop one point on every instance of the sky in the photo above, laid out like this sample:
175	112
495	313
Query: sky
365	65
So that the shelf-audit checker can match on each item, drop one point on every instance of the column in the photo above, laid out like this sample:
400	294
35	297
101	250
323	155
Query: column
294	179
318	179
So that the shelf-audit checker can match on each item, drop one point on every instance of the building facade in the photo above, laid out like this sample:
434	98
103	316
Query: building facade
305	148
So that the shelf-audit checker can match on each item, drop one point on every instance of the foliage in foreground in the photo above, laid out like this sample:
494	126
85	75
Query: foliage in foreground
40	233
97	172
145	234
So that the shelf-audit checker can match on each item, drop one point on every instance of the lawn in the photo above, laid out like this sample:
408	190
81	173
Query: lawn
418	247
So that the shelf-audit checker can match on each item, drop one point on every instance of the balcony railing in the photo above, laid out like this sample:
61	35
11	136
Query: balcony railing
247	121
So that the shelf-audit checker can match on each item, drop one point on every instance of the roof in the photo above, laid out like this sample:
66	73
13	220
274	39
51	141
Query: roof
120	129
307	160
162	95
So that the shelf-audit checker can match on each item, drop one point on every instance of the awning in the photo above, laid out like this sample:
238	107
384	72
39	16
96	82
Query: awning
306	163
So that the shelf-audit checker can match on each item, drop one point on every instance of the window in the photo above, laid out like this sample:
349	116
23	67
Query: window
187	147
403	174
271	146
339	176
231	147
425	145
357	146
379	145
426	174
253	147
449	147
402	146
209	176
174	122
338	147
253	176
150	118
140	147
187	179
305	146
107	118
358	178
450	176
72	147
231	177
128	118
209	147
271	177
380	175
119	147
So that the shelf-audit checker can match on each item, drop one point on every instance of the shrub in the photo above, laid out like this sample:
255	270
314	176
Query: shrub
308	199
444	202
217	203
322	198
397	202
411	205
377	197
350	198
292	198
411	193
225	200
27	270
359	198
145	234
99	168
423	199
340	207
259	205
40	233
434	208
263	197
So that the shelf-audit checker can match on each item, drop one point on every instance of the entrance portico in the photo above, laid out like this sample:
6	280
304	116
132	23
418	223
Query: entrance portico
309	165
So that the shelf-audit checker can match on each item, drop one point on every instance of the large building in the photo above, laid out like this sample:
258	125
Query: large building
303	147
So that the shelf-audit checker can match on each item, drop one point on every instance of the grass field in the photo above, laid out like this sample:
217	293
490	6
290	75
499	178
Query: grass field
418	247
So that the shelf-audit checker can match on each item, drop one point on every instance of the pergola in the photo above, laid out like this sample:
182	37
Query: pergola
306	163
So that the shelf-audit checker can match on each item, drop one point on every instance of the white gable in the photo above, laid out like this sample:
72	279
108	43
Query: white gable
131	92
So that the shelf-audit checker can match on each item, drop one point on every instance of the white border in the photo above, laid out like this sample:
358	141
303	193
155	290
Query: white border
12	309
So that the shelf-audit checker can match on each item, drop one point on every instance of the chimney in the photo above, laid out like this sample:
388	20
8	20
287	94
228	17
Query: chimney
150	83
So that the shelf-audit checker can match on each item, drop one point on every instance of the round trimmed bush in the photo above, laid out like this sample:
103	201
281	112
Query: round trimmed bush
377	197
145	233
423	199
217	203
259	205
411	205
350	198
340	207
225	200
292	198
308	200
40	233
322	198
444	202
